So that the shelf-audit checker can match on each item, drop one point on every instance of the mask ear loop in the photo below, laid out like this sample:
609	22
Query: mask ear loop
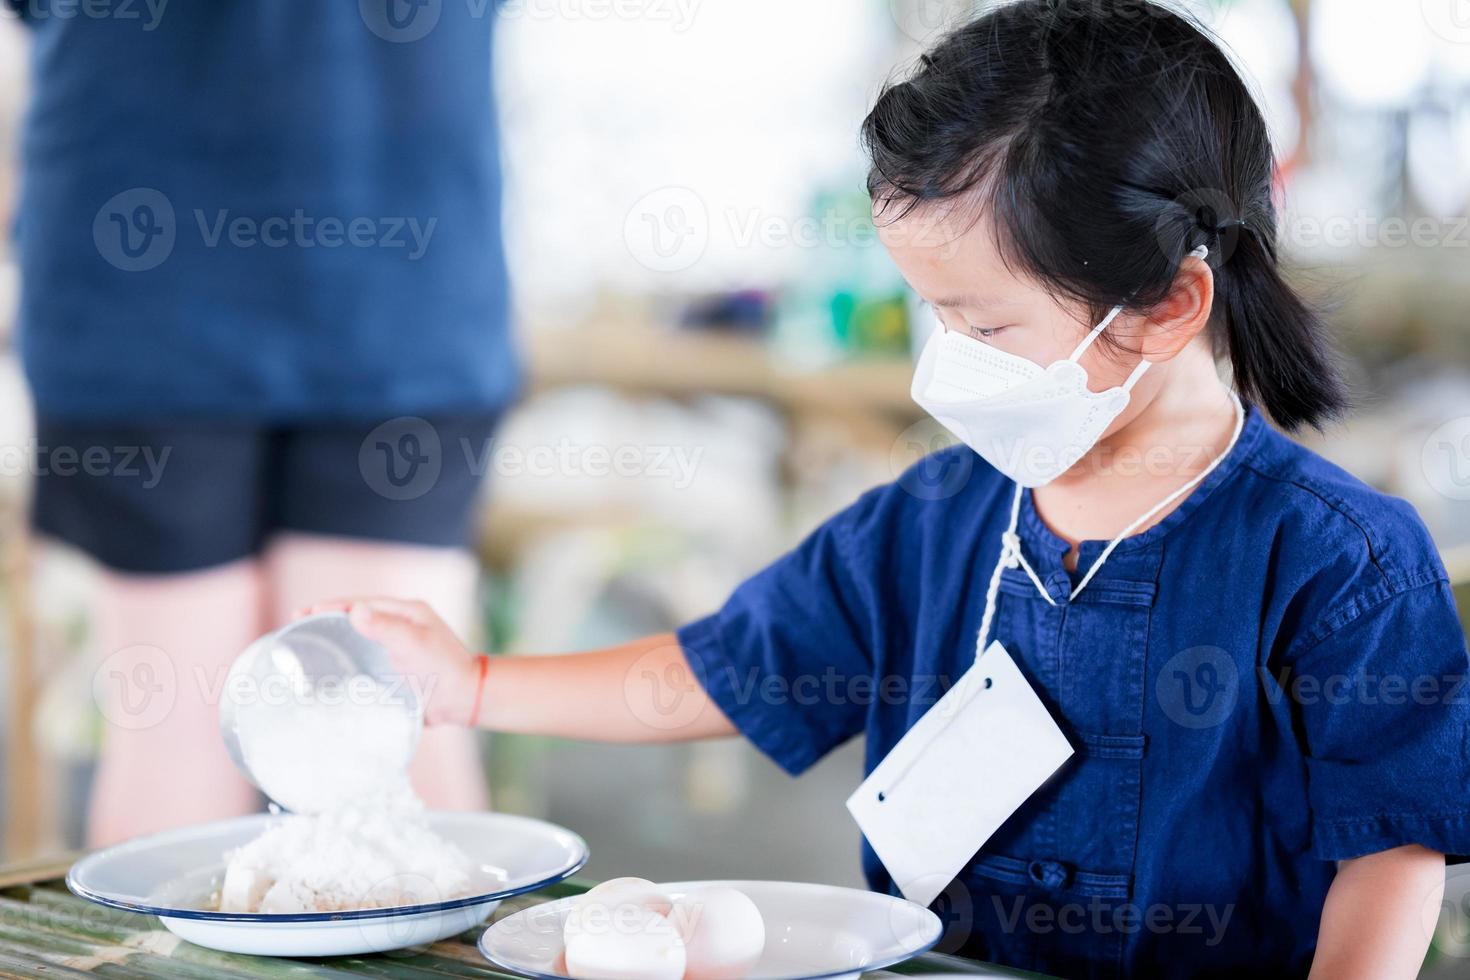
1201	253
1096	332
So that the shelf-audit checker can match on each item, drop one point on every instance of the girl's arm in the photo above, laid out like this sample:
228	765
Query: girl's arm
1380	914
642	691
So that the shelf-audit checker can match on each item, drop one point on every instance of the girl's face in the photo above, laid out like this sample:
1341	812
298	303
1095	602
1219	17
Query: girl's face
956	268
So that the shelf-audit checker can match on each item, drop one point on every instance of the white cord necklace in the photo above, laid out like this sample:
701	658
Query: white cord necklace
1011	555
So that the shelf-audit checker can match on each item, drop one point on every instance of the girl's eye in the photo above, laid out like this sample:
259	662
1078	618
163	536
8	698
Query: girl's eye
985	333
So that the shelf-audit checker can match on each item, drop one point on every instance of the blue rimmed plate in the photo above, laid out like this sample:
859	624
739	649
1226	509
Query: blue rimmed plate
813	932
175	874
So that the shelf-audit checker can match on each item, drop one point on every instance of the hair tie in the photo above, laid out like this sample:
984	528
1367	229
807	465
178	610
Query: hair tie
1207	220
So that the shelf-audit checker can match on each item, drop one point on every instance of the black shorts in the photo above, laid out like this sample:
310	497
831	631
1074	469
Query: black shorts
179	497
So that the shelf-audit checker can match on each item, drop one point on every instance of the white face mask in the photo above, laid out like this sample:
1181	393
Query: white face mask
1031	423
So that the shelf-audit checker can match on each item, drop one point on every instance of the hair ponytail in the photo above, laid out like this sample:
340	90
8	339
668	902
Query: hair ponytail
1104	139
1279	347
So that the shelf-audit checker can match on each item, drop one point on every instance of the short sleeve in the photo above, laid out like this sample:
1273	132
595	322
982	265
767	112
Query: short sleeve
781	656
1384	718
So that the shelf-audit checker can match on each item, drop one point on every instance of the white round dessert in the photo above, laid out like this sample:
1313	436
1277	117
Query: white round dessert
724	934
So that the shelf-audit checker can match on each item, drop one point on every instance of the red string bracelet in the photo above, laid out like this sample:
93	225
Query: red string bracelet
484	660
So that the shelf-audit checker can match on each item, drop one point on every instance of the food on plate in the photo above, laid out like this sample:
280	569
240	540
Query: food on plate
377	852
632	943
629	929
723	932
624	891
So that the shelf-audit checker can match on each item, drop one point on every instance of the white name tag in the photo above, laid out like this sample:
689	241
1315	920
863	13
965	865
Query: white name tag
954	778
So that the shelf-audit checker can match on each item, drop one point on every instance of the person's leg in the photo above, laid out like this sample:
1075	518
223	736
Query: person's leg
166	643
171	513
305	569
362	508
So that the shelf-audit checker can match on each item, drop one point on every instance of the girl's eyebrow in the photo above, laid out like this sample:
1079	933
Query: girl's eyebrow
967	300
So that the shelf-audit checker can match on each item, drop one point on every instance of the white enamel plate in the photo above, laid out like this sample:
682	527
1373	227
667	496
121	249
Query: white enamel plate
812	931
173	875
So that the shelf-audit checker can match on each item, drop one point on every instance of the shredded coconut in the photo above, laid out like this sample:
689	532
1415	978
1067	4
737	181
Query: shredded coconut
378	852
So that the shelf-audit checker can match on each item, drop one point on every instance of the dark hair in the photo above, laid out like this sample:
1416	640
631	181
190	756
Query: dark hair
1091	128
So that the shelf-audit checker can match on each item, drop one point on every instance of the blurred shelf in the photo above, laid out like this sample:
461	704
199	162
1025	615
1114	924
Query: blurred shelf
508	530
681	364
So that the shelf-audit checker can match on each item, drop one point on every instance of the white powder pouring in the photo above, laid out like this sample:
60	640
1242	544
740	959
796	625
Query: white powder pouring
312	747
337	754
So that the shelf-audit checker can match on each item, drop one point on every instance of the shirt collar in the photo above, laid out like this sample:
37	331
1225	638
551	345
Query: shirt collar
1045	549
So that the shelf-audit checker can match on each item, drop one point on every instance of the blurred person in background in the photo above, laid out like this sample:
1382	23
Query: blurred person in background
263	315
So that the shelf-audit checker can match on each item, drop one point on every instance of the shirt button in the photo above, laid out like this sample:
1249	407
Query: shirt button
1051	874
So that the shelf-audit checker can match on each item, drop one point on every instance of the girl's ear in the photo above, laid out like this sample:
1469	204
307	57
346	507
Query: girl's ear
1182	314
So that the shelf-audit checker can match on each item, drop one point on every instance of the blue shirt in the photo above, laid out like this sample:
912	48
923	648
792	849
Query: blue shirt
262	209
1267	681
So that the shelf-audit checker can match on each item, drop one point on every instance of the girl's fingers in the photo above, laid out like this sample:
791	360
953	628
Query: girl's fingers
388	628
334	605
408	609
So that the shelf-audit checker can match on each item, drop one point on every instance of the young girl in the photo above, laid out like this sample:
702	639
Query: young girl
1255	657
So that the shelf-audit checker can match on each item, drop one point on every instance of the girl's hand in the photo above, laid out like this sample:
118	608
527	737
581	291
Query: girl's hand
643	691
423	648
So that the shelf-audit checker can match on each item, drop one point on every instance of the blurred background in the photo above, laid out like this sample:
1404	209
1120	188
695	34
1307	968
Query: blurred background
698	293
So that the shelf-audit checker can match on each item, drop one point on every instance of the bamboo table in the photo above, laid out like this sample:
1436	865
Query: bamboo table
46	931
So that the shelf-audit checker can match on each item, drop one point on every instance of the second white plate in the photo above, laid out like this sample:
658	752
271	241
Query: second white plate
812	932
